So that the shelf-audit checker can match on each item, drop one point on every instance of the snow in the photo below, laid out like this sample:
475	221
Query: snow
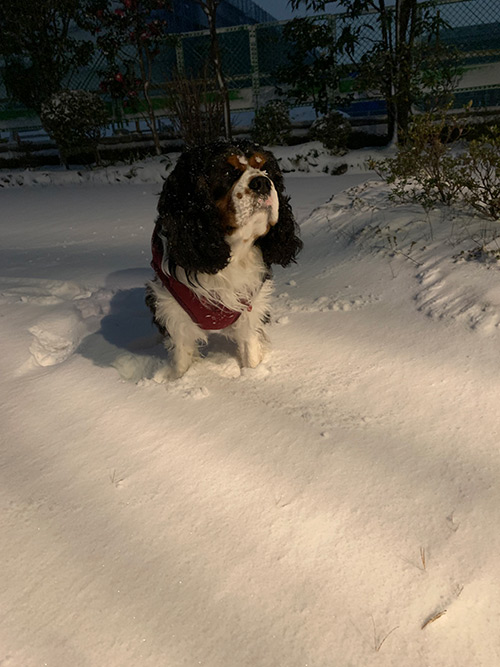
337	506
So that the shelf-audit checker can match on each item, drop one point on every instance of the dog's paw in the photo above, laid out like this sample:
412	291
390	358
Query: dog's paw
169	373
253	351
252	355
165	374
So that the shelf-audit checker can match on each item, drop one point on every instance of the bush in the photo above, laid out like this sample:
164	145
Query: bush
333	130
310	73
272	125
480	173
431	167
196	111
424	169
74	119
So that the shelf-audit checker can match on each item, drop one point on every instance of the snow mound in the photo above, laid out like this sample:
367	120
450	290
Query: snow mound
43	292
151	170
56	337
460	294
311	157
433	246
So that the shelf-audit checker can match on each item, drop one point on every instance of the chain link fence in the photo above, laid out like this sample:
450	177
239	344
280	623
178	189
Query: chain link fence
251	56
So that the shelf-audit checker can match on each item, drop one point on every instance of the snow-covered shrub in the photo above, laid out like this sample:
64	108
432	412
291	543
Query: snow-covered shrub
425	168
74	119
333	130
435	165
272	125
196	108
480	173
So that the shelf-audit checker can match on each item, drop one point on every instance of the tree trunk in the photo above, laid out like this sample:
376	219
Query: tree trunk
210	9
406	14
146	67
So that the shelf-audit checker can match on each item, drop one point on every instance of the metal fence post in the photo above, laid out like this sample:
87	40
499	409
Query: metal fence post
179	56
332	20
254	64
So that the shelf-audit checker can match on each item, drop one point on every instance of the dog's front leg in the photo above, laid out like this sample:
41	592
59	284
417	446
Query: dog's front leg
249	331
183	335
251	350
183	354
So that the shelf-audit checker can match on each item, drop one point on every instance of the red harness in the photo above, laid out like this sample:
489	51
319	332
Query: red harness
206	315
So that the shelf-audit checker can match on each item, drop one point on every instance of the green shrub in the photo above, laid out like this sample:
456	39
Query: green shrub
433	167
333	130
425	170
272	125
480	173
74	119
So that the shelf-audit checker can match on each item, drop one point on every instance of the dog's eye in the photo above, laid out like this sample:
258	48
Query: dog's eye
232	173
229	177
222	178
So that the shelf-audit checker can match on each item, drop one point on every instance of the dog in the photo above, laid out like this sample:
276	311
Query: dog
223	221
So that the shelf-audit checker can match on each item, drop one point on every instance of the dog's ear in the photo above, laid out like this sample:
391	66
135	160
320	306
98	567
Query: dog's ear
190	220
281	244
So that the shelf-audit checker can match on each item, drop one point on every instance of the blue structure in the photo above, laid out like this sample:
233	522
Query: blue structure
188	16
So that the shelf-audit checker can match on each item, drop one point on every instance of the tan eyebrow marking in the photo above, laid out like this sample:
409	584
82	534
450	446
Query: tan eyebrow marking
237	161
257	161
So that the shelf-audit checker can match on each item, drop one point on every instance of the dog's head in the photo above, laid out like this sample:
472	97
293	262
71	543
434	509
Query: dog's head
221	191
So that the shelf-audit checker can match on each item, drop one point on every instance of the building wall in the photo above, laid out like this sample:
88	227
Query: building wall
187	16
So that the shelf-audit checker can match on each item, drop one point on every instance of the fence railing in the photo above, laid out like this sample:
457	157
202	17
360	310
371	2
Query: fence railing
252	54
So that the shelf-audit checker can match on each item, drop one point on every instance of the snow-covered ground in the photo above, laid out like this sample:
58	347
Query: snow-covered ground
338	506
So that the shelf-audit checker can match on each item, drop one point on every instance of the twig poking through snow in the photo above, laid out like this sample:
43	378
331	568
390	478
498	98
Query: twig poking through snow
433	618
115	481
377	643
422	557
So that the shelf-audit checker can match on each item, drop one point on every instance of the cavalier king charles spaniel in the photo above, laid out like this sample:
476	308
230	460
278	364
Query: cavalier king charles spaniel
223	220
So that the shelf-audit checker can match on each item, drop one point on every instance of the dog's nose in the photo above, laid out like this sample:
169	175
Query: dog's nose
261	185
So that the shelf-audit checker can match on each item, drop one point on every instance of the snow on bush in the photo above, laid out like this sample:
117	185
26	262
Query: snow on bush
272	125
74	119
333	130
436	166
